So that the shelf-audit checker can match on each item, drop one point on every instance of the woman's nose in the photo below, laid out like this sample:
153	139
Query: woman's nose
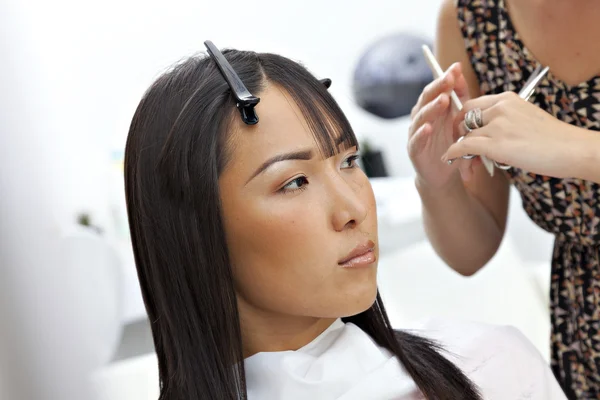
349	209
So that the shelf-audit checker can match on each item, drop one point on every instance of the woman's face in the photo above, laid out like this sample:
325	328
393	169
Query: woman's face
292	219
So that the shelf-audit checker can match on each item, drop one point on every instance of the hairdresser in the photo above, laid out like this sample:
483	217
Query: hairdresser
550	145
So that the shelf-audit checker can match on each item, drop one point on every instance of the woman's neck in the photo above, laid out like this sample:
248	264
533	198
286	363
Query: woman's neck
268	332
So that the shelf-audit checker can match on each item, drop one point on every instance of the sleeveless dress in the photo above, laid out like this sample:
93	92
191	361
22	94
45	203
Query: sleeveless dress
568	208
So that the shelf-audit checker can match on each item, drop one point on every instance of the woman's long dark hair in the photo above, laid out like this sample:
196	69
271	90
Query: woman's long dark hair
178	144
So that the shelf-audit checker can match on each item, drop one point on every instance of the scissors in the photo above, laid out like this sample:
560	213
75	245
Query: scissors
525	93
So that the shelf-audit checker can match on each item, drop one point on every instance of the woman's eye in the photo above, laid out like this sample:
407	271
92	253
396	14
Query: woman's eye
297	184
350	162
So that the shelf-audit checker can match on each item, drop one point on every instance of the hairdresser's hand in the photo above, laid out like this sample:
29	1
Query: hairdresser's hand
520	134
431	132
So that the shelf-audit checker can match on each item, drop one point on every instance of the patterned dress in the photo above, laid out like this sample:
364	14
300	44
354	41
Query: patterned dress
568	208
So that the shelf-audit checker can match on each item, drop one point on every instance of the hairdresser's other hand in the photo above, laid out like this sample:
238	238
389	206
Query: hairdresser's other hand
522	135
431	131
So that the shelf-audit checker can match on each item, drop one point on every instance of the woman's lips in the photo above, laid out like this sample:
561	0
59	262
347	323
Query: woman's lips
361	256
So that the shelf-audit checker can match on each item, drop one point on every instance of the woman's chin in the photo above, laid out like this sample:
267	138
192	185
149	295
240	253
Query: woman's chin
361	302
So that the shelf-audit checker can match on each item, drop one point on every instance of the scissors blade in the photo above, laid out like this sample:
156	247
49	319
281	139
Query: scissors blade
532	76
532	83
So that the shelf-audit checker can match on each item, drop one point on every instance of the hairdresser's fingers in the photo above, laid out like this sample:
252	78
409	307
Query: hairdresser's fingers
443	84
472	144
485	103
461	88
418	141
460	127
494	100
430	112
461	130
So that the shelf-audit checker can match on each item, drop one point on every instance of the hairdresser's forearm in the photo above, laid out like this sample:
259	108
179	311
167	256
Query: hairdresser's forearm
462	231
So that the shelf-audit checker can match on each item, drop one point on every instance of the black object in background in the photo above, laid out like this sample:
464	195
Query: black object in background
373	164
372	161
391	75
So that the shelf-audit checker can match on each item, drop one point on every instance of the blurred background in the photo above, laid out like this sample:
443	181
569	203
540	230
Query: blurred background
72	74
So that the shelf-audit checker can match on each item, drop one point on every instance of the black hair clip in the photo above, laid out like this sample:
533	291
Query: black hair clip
245	100
326	82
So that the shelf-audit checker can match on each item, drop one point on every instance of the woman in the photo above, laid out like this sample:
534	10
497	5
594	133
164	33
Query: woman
491	48
255	238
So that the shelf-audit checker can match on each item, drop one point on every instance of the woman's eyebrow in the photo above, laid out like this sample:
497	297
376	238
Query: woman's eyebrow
295	155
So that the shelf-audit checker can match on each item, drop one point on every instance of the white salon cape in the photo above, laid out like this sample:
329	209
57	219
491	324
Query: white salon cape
345	363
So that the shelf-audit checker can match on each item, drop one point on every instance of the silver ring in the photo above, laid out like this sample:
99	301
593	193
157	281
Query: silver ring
478	117
470	120
473	120
469	130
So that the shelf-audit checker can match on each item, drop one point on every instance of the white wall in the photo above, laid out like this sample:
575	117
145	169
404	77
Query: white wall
41	350
84	66
97	58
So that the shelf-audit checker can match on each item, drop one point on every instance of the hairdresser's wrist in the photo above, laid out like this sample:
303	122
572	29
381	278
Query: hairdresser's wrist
454	186
585	157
